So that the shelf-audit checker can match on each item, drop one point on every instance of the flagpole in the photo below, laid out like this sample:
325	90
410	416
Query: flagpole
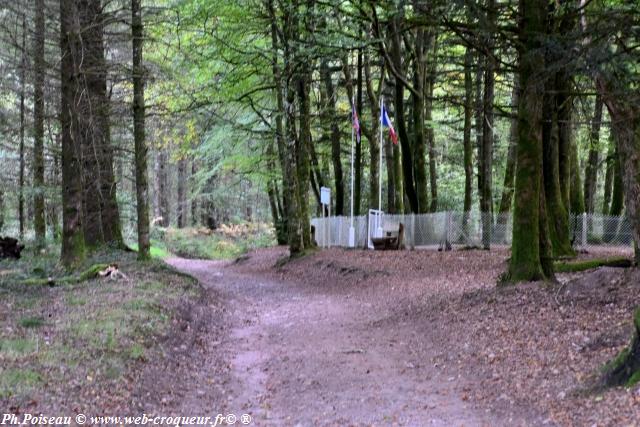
352	230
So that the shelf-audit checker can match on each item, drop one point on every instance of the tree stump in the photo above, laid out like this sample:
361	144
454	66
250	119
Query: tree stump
10	248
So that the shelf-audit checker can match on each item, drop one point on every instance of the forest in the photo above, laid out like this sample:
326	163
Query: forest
123	122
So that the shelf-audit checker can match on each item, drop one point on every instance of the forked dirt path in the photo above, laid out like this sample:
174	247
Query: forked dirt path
303	355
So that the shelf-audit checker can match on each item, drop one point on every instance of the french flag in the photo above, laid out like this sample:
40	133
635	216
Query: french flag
386	122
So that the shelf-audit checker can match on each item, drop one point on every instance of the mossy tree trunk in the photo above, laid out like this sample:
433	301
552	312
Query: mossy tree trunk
416	125
329	116
557	211
139	134
467	142
181	208
357	191
508	183
486	196
73	248
529	219
478	112
625	120
303	144
100	208
39	222
282	227
608	178
576	195
21	149
625	368
431	49
591	170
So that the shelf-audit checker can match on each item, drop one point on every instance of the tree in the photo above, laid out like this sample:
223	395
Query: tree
73	245
591	170
38	123
528	249
142	192
486	157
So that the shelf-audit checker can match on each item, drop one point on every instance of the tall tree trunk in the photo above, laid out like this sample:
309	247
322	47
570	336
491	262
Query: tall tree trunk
591	171
509	173
294	220
528	221
608	178
468	144
193	194
617	195
486	196
283	227
479	112
409	151
418	112
302	151
557	210
1	209
334	136
357	190
23	83
392	194
140	146
372	135
162	188
576	195
39	223
431	141
102	219
73	248
396	159
274	197
181	213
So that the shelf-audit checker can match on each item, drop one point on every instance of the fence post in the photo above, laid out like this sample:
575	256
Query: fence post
413	231
584	231
448	225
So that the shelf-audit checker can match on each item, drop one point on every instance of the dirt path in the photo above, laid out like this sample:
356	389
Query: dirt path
303	355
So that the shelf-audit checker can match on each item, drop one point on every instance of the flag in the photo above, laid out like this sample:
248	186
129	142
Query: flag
356	122
386	122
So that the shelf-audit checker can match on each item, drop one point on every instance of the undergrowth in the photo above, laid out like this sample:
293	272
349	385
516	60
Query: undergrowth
86	332
226	242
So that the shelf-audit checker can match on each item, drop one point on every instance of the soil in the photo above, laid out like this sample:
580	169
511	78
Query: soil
415	338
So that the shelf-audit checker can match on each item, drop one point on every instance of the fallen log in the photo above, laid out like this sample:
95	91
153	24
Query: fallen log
10	248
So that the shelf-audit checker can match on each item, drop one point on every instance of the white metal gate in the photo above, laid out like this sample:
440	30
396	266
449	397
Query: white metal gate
375	225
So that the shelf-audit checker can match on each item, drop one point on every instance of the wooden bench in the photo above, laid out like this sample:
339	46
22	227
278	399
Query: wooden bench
390	242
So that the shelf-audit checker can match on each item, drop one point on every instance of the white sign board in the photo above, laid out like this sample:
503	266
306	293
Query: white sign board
325	195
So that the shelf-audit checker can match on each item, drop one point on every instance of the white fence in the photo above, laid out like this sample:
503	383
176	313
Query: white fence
465	229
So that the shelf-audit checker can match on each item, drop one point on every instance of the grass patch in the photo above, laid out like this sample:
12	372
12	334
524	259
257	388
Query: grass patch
98	327
157	250
76	301
577	266
18	381
16	347
31	322
136	352
226	242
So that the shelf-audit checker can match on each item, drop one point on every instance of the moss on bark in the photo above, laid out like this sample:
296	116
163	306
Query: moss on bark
85	275
624	370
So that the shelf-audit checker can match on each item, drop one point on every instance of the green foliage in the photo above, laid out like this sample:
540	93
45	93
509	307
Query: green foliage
225	243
